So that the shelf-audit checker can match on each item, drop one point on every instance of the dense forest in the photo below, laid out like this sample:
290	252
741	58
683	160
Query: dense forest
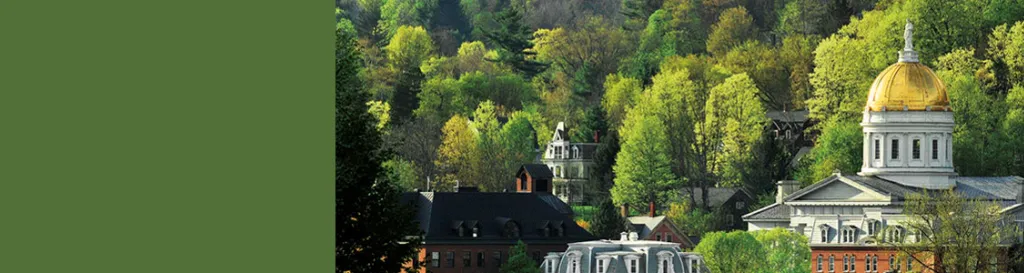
675	91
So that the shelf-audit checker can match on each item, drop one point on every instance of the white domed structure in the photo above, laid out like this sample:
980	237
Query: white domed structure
908	125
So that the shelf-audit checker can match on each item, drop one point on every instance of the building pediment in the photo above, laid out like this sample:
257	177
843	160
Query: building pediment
838	189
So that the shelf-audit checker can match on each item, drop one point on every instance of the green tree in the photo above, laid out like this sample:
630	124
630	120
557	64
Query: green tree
592	125
643	167
807	17
366	200
456	153
977	227
1013	127
608	223
652	49
734	27
1005	49
797	55
592	49
732	252
690	220
620	94
519	261
735	121
397	13
408	48
839	147
515	42
978	147
403	173
787	251
763	64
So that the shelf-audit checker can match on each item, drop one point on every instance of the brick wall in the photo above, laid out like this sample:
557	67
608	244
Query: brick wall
490	263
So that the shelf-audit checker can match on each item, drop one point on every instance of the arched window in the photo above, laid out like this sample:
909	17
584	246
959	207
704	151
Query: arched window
874	263
574	261
915	152
853	263
819	263
849	234
823	230
910	264
892	261
665	262
846	263
831	263
874	226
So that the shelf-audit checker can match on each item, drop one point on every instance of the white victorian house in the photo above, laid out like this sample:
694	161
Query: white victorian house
571	164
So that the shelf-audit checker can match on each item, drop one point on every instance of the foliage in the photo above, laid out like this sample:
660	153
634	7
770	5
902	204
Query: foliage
1006	48
397	13
409	47
788	252
692	221
732	252
404	173
593	125
1013	127
366	200
936	219
458	147
593	48
643	167
514	40
839	147
519	261
620	94
608	222
763	64
734	27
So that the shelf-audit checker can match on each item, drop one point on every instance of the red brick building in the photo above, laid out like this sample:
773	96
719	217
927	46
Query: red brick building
470	231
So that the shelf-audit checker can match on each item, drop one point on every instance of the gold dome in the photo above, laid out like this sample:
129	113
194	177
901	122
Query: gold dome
908	84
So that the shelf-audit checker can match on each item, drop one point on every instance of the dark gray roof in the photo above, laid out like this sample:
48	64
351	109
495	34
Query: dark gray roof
440	213
537	171
788	116
772	212
717	196
997	187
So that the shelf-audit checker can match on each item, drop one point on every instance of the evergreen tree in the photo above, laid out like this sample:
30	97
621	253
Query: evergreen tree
365	200
607	224
515	42
519	261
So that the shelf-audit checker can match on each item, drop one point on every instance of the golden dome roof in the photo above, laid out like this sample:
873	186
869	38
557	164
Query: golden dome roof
908	84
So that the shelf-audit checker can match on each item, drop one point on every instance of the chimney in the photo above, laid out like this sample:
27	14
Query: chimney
623	236
651	214
624	210
597	136
633	236
785	188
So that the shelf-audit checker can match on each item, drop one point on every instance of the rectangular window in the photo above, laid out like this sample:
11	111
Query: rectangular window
917	149
895	149
935	149
480	259
497	258
877	156
435	259
451	258
467	259
657	237
668	237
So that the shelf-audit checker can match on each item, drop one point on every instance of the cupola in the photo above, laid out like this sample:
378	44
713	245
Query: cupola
908	124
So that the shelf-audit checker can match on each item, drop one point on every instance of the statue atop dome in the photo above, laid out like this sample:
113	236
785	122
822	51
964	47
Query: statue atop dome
908	55
908	45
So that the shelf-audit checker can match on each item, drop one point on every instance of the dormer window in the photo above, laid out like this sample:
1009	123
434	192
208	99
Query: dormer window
476	232
602	263
511	230
575	152
665	264
574	262
895	234
823	231
632	264
874	226
849	234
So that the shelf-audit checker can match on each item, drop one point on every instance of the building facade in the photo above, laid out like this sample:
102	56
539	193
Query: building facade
471	231
908	146
571	164
626	255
